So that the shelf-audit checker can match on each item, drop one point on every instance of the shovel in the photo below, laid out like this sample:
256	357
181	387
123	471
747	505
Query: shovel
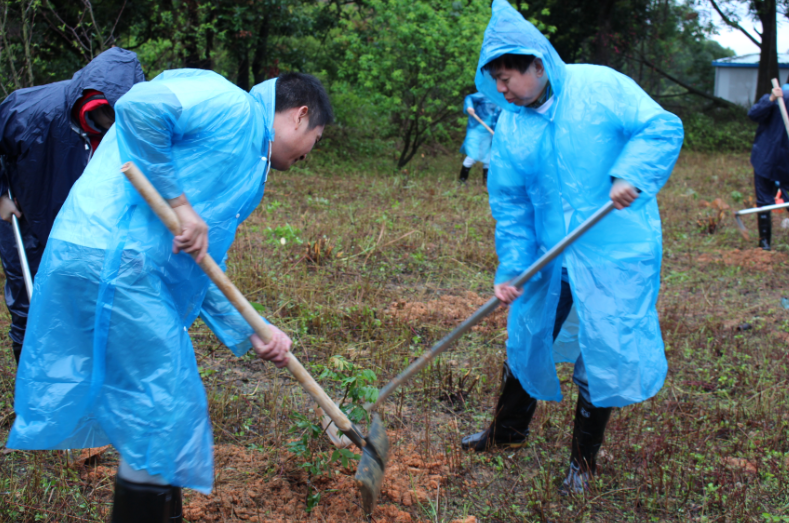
766	208
490	306
375	447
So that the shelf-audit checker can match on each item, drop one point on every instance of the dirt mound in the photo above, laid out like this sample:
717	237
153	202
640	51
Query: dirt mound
757	259
245	490
448	310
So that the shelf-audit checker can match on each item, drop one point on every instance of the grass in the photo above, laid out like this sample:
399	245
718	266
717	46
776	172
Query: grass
711	446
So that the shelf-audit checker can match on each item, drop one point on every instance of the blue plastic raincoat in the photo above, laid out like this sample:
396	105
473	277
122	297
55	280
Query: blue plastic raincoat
599	125
478	139
107	356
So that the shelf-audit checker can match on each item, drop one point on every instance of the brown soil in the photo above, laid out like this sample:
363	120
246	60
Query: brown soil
251	487
757	259
448	310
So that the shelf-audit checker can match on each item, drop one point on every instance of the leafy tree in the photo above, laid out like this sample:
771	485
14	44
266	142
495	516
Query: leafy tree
415	59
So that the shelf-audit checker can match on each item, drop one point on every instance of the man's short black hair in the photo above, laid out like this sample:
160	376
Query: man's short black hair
299	89
521	62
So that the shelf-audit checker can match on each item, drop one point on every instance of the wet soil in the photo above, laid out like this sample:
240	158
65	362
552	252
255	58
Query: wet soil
448	310
755	259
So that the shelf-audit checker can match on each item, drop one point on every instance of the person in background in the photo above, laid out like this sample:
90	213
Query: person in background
769	157
48	134
478	139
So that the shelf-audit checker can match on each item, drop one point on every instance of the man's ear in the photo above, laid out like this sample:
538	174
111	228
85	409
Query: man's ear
539	68
302	114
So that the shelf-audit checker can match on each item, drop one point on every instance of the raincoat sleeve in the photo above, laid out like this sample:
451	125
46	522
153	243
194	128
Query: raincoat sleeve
655	138
146	118
468	103
762	109
513	210
225	321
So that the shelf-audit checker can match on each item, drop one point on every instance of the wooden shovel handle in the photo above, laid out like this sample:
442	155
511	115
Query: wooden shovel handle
782	107
474	114
231	292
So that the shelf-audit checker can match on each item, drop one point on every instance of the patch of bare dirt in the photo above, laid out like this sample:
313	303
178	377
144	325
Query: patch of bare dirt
448	310
245	490
756	259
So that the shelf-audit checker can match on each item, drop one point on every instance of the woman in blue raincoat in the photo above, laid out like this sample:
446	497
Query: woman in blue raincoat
476	146
570	138
107	357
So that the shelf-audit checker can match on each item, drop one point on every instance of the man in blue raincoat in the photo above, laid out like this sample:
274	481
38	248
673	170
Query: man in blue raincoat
47	136
107	358
569	139
478	139
769	157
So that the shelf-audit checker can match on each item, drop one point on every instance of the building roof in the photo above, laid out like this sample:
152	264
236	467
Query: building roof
750	60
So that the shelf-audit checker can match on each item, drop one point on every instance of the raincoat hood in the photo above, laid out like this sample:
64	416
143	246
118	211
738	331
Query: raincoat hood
112	73
509	33
266	95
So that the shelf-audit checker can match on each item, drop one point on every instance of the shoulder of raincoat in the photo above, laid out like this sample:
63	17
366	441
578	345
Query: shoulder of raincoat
771	144
600	125
46	151
119	366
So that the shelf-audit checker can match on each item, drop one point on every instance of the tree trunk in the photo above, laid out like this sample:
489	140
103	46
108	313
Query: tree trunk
242	80
602	40
768	61
259	69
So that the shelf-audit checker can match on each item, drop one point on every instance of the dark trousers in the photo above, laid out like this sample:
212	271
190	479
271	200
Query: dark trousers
15	292
766	189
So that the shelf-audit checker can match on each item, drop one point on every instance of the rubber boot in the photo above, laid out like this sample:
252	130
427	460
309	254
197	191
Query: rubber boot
143	503
510	425
484	177
464	174
765	230
17	348
590	423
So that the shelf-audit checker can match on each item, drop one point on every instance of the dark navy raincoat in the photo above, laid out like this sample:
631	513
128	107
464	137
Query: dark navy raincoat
770	152
45	153
600	124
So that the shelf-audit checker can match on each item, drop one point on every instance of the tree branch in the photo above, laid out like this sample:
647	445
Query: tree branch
731	23
690	88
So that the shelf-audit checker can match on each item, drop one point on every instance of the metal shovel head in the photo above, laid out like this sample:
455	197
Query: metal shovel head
370	475
741	226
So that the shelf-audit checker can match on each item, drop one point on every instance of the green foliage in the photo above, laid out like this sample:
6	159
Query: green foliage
357	384
704	132
283	235
414	60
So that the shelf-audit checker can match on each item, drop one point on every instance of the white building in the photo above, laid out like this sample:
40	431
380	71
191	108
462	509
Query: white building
735	77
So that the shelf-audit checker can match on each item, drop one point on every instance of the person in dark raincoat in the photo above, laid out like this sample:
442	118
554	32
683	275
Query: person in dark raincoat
116	365
570	139
48	134
769	157
476	146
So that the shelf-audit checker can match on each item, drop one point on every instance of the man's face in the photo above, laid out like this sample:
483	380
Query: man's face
521	88
104	117
293	138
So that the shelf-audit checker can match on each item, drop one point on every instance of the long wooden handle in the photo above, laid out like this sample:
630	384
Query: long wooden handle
483	123
231	292
782	106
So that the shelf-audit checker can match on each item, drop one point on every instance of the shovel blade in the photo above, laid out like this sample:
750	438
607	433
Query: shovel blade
370	475
741	227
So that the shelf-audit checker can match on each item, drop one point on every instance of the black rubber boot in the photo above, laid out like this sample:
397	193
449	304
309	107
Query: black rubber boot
17	348
143	503
510	425
590	423
484	177
765	230
464	174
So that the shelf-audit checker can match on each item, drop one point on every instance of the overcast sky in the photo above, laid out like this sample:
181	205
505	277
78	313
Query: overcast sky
741	44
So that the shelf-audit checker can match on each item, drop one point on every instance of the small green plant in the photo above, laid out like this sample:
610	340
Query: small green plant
283	235
736	196
357	384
